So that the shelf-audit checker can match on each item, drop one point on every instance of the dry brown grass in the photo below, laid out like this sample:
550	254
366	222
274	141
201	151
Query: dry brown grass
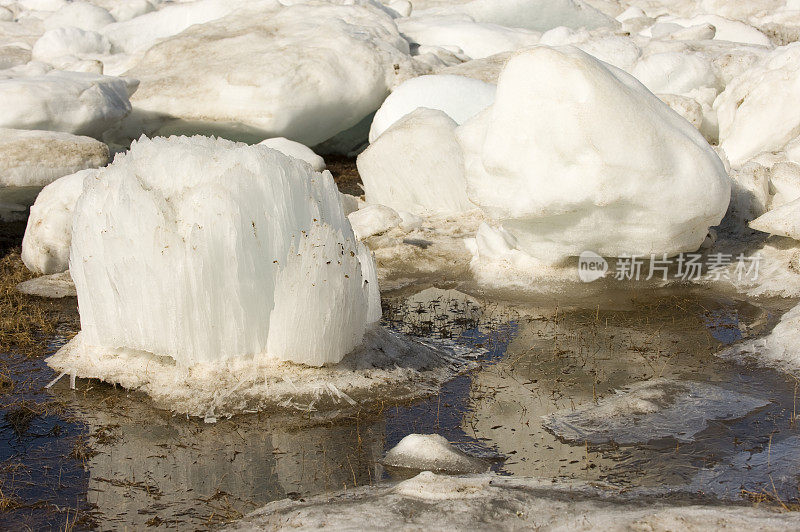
25	321
345	174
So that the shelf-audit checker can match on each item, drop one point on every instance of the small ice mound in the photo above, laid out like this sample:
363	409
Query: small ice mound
202	250
430	486
458	97
779	349
603	166
432	452
386	367
649	410
53	286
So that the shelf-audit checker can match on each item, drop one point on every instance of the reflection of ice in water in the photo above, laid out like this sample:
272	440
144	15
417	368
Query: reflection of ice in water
650	410
190	473
772	470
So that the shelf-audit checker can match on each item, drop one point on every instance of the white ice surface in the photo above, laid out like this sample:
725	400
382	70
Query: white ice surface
202	250
313	71
458	97
576	155
72	102
296	150
416	166
48	235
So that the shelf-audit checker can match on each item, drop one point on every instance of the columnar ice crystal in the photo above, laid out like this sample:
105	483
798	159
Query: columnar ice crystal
202	249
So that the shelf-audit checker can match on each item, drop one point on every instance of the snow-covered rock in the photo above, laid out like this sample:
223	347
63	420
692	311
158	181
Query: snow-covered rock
72	102
29	160
206	251
756	110
304	72
432	452
373	220
416	166
45	246
296	150
459	97
577	155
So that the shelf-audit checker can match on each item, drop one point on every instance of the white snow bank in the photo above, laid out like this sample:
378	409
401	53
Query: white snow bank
536	15
458	97
296	150
474	39
577	155
29	160
45	246
650	410
757	110
432	452
203	250
304	72
416	166
72	102
440	502
779	349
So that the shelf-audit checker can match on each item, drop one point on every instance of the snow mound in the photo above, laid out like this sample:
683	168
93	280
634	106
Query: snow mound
416	165
202	250
779	349
305	72
48	235
385	365
72	42
373	220
54	286
458	97
756	110
73	102
603	164
650	410
81	15
29	160
432	452
296	150
491	502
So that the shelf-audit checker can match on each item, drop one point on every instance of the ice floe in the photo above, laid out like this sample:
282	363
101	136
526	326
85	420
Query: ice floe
651	410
